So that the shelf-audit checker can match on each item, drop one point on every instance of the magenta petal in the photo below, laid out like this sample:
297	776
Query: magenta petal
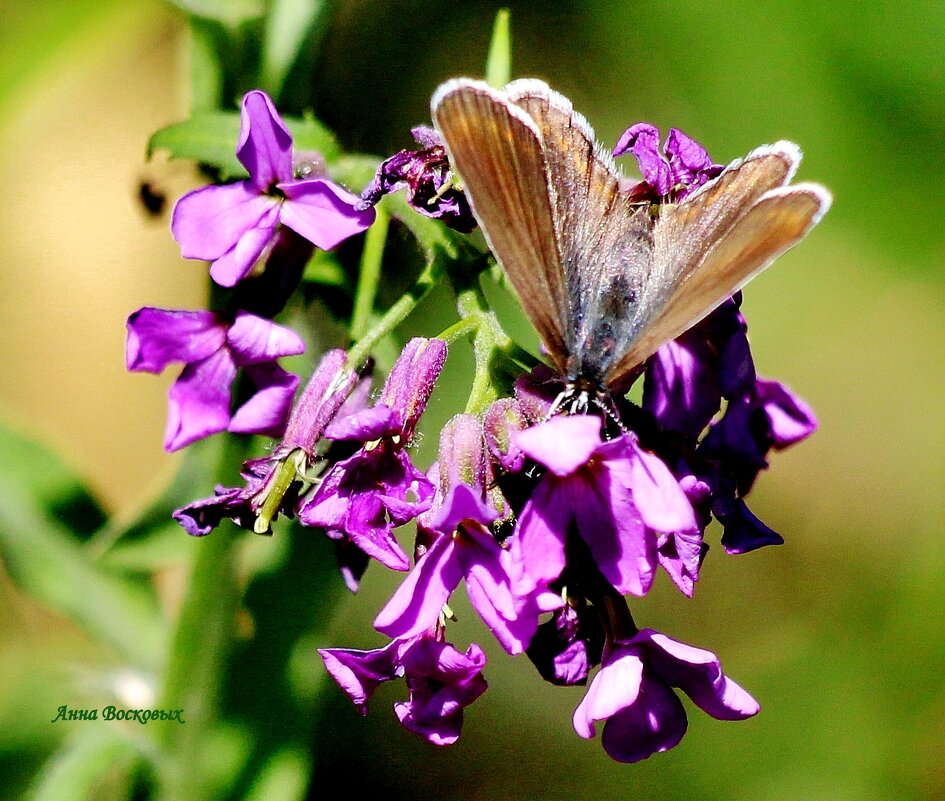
417	603
255	340
365	425
199	401
233	265
686	155
157	337
538	545
265	145
789	417
662	504
615	687
698	674
323	212
359	673
655	722
268	409
643	141
623	549
209	222
462	503
562	444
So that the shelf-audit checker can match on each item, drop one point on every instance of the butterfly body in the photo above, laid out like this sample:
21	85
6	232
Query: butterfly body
605	278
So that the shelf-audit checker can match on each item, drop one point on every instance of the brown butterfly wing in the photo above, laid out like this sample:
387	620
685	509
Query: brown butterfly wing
711	244
497	151
605	241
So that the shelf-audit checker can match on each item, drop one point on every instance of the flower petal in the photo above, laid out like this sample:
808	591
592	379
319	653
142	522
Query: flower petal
655	723
697	673
790	418
268	409
359	673
199	401
255	340
265	145
233	265
157	337
417	603
615	687
643	141
538	544
660	501
562	444
209	222
322	212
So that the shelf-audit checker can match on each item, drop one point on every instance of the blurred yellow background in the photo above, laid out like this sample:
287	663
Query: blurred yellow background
840	633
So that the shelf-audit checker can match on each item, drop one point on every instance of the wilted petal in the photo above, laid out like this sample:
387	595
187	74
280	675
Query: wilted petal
690	163
322	212
199	401
643	141
268	409
265	145
254	340
157	337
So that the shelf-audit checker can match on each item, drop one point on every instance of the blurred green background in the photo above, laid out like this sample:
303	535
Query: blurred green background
840	633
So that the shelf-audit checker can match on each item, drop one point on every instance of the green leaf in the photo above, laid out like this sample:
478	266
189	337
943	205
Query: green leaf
229	12
45	560
94	765
499	60
291	27
323	268
211	138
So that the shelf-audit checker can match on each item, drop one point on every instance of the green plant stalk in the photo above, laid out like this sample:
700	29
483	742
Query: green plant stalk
199	647
369	274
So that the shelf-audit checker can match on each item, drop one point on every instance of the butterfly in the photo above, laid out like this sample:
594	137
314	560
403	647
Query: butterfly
605	279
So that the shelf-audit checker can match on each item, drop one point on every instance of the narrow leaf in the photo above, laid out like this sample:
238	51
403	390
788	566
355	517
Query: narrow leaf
499	60
292	26
229	12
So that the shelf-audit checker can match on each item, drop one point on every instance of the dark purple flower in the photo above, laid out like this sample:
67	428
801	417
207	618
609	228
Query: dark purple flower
565	648
232	225
429	180
442	681
366	496
617	495
688	377
680	168
323	397
633	693
213	348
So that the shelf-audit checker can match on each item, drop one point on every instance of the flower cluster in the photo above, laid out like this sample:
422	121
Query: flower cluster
234	226
549	519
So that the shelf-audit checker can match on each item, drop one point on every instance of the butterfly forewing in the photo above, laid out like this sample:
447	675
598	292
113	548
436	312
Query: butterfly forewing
497	151
604	240
711	244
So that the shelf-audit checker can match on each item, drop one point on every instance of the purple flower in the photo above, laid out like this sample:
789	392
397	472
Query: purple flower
442	681
232	225
616	494
213	348
681	167
565	648
429	180
328	388
367	495
633	693
465	550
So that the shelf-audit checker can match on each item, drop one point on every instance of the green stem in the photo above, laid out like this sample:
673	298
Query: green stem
201	641
369	274
394	316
